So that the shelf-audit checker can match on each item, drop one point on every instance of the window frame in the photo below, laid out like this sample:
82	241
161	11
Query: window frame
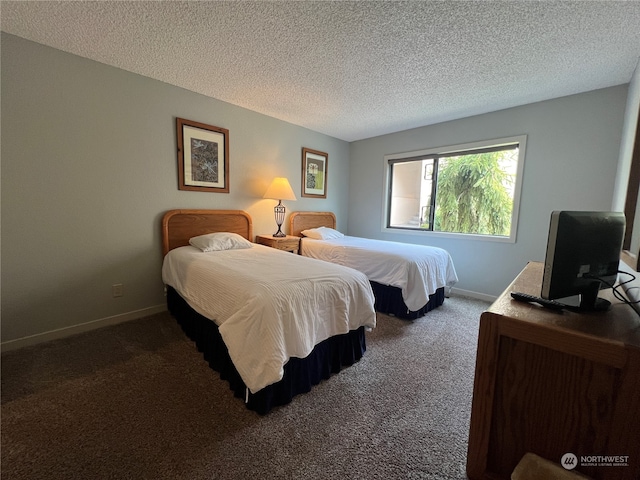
389	159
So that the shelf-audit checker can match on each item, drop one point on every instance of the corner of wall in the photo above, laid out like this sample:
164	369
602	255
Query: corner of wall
629	140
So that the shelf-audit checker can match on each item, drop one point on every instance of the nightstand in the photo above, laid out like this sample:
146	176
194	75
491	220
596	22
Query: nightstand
288	243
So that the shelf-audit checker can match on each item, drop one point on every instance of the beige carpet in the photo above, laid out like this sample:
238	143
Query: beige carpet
137	401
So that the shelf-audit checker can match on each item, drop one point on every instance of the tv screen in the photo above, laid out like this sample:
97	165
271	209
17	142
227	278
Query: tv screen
583	256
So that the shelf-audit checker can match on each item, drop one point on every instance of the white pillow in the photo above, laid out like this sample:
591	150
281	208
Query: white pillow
322	233
213	242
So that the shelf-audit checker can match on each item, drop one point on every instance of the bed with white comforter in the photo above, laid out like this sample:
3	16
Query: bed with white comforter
269	305
271	323
417	270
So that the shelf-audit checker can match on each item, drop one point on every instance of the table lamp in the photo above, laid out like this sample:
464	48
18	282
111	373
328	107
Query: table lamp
280	190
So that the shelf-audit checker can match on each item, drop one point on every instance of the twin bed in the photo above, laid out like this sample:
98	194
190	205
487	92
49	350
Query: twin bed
272	323
407	280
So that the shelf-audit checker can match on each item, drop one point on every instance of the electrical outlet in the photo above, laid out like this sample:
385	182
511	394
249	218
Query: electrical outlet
116	290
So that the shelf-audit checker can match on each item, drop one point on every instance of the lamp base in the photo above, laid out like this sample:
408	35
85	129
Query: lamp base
279	213
279	233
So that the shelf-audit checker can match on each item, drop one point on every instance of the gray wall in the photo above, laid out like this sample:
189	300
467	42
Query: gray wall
571	161
88	167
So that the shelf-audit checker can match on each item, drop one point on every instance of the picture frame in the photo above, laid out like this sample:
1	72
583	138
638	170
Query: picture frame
203	157
314	173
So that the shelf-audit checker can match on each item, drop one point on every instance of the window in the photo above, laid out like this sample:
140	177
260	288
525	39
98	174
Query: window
471	189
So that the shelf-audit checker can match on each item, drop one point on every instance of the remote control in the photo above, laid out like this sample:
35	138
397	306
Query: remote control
525	297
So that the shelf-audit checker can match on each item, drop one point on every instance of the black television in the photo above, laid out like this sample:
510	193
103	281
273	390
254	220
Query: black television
582	257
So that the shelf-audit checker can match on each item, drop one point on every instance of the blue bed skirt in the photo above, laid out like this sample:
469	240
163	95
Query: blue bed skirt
300	374
389	300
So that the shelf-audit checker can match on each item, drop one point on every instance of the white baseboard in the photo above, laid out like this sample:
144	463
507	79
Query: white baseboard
469	293
83	327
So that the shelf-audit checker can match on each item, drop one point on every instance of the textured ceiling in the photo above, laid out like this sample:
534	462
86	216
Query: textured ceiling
352	70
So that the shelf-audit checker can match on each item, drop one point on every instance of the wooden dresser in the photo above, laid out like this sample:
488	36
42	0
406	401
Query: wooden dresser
553	383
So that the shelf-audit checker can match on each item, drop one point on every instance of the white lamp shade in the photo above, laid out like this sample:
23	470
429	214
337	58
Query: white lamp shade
280	190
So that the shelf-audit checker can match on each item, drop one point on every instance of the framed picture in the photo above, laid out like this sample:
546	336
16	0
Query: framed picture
314	173
203	157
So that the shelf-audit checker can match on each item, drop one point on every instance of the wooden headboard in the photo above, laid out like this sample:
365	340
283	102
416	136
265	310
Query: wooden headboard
299	221
178	226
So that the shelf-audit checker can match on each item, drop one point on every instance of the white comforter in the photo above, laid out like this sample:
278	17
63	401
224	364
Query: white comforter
269	305
418	270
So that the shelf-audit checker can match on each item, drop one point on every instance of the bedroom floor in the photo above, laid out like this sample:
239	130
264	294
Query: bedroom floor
137	400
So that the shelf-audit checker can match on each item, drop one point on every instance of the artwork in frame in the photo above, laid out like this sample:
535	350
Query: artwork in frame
314	173
203	157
